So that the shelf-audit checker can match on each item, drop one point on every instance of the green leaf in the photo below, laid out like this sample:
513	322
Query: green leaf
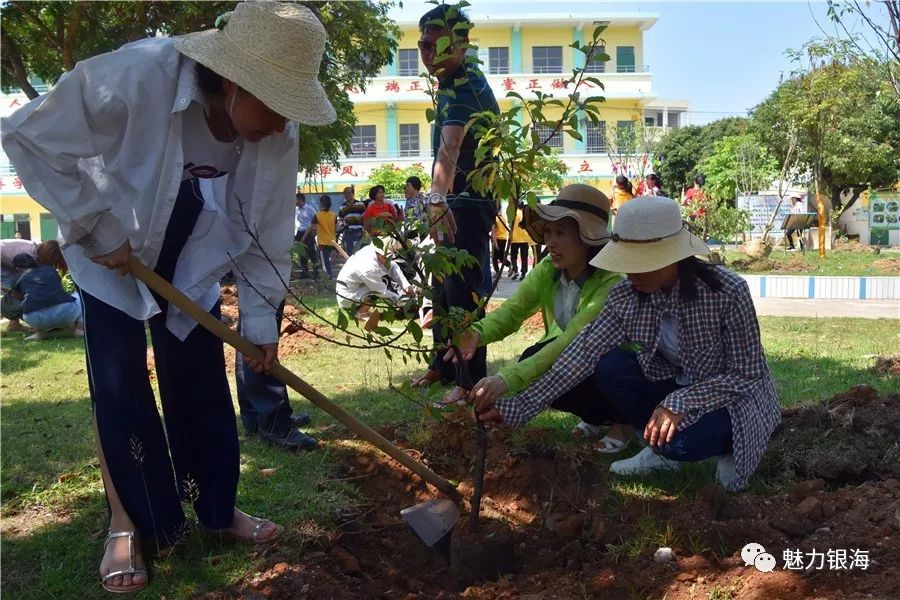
442	44
429	115
415	330
574	133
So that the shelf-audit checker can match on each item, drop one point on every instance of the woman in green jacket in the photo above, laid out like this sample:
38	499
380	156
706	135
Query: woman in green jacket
569	293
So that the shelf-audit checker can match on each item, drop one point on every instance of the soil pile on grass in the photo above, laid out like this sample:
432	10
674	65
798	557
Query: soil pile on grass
887	365
888	266
573	537
296	335
850	439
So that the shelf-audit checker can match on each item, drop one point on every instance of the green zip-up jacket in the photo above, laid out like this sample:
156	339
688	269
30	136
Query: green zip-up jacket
538	292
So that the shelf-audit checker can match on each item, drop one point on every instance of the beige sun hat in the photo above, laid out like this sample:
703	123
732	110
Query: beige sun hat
272	50
648	234
584	203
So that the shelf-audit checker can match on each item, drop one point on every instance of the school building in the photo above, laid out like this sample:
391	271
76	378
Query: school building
523	54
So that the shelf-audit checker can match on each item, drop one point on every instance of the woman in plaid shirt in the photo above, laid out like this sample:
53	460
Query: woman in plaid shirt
694	379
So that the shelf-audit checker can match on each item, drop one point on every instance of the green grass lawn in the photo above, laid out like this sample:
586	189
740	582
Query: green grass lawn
54	511
835	263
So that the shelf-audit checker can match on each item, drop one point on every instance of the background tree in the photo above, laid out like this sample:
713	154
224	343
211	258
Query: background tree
869	40
737	165
394	178
847	121
42	40
631	148
681	149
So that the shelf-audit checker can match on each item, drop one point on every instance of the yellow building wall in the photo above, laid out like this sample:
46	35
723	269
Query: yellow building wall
485	37
619	36
23	204
548	36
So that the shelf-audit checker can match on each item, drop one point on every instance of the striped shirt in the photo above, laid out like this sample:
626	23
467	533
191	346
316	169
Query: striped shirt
720	349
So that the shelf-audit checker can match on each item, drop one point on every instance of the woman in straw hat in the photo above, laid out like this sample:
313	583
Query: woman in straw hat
695	381
168	149
569	293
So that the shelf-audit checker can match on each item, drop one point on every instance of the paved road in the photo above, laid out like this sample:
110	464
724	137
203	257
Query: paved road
792	307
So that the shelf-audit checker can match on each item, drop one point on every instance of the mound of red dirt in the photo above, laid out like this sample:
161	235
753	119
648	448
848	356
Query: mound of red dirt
572	538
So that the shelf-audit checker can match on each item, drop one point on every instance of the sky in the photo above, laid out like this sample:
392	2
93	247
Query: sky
723	57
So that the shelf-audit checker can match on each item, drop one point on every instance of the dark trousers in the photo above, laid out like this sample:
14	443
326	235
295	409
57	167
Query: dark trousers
789	234
520	250
584	400
200	430
308	251
326	259
622	381
263	400
499	255
474	219
351	239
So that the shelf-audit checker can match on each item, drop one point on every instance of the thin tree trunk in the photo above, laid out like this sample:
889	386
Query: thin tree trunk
820	208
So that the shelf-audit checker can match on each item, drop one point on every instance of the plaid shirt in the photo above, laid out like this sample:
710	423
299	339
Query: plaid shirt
720	350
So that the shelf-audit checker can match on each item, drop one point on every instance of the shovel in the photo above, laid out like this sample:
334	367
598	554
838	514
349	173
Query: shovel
427	518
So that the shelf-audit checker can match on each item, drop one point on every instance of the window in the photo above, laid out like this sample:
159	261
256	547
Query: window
544	132
409	139
596	65
498	60
363	141
547	59
625	136
409	62
596	137
625	59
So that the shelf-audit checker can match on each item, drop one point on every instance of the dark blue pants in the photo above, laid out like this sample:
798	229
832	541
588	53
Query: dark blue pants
309	251
584	400
474	219
351	239
262	398
619	377
200	431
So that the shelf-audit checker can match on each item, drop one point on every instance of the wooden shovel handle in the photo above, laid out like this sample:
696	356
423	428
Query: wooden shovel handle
247	348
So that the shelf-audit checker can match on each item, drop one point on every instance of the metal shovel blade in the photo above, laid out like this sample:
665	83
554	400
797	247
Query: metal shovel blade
432	519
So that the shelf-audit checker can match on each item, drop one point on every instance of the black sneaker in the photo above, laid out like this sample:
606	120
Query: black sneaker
292	441
300	419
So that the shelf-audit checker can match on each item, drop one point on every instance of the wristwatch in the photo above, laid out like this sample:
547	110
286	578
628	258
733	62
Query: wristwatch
436	198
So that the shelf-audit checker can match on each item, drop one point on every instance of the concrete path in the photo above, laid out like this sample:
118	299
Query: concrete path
791	307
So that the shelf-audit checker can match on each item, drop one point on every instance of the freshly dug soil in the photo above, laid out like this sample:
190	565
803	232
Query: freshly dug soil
549	503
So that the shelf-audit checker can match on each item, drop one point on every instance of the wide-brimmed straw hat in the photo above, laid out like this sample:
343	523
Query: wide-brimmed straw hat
584	203
272	50
648	234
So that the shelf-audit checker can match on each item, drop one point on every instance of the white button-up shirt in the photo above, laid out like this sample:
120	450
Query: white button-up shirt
102	151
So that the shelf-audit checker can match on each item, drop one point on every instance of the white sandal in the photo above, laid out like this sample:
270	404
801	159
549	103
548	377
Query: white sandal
132	566
585	430
611	445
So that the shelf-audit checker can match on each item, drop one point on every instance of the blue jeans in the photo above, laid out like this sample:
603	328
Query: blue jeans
58	316
621	380
262	398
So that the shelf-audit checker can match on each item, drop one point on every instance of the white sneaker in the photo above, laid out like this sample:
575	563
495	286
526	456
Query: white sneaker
725	470
644	461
